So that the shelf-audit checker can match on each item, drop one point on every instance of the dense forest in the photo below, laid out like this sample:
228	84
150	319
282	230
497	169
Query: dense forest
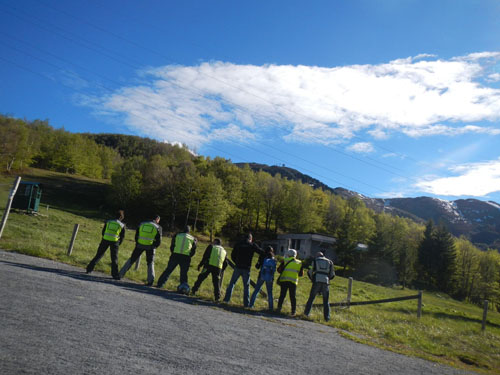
217	197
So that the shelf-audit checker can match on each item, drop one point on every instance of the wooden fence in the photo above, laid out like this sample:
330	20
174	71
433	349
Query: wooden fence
347	303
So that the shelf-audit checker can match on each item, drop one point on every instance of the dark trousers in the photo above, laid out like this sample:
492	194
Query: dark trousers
288	286
215	272
150	259
113	250
325	292
183	261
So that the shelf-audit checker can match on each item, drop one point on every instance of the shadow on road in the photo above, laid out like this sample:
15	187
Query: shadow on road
139	288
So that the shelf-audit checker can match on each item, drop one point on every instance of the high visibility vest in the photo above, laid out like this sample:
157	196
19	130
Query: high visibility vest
291	271
147	233
113	230
183	243
217	256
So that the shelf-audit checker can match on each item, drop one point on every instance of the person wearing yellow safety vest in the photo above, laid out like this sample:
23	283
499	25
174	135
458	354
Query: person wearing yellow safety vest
183	247
147	238
113	234
213	262
291	269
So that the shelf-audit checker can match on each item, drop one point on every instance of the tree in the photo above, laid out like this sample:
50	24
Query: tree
213	205
427	262
357	226
446	257
467	267
487	285
127	182
437	256
16	144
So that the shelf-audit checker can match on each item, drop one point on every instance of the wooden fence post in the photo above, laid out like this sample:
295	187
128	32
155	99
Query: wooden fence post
485	313
419	307
9	204
73	237
349	292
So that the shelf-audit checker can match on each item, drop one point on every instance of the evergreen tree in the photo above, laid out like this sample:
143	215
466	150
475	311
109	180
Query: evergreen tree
427	263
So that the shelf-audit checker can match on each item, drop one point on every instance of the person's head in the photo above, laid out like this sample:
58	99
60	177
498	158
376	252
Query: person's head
187	229
249	237
319	254
217	241
269	251
291	253
156	219
120	215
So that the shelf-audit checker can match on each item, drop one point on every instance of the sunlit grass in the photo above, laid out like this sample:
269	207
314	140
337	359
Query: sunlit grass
448	331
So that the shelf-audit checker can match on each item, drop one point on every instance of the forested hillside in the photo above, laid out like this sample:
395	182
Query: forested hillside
217	197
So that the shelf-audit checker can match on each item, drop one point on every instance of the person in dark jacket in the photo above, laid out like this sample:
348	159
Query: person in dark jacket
147	238
213	262
320	273
113	234
242	257
183	247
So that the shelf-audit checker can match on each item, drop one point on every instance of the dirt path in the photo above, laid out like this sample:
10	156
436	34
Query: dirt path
55	319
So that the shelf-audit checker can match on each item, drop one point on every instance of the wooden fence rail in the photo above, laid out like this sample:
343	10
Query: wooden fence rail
347	303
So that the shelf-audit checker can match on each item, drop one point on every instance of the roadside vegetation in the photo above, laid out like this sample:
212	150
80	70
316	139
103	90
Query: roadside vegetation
449	331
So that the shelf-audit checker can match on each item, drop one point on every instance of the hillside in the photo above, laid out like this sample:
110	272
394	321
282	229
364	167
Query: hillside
477	220
286	172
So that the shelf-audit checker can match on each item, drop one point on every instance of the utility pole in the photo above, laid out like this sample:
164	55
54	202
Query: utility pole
9	204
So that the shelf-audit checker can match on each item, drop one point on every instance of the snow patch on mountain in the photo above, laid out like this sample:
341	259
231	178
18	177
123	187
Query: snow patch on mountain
494	204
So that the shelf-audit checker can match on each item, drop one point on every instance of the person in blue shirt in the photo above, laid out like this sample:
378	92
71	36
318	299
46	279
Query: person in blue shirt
266	275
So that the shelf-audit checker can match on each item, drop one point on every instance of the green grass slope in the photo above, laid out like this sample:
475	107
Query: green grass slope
448	331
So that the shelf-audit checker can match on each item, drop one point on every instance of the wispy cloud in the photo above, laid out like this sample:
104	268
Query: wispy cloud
474	179
361	147
413	96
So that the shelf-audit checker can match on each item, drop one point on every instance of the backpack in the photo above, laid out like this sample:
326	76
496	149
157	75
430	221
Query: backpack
267	269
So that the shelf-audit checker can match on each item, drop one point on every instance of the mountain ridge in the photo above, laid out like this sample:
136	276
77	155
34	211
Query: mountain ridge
475	219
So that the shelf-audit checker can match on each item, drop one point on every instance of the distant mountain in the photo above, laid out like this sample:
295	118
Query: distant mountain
478	220
290	173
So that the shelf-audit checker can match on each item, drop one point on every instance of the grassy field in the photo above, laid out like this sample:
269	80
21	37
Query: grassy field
448	332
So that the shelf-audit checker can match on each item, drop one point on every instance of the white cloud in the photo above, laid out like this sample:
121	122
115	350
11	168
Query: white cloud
474	179
494	77
439	129
414	96
232	132
361	147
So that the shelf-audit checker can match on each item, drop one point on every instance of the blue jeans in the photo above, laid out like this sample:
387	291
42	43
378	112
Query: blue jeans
323	289
258	287
245	276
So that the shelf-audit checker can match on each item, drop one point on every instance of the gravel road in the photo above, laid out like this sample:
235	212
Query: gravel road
55	319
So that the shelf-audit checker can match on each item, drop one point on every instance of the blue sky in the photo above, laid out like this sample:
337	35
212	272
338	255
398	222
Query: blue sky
389	98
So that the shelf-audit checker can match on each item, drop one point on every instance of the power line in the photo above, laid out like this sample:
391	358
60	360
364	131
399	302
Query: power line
107	55
97	27
218	150
168	58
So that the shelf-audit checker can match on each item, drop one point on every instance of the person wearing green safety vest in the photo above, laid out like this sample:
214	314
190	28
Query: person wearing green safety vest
291	269
147	238
113	234
213	262
183	247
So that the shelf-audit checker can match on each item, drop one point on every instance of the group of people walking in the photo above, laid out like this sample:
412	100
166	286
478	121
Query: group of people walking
148	237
